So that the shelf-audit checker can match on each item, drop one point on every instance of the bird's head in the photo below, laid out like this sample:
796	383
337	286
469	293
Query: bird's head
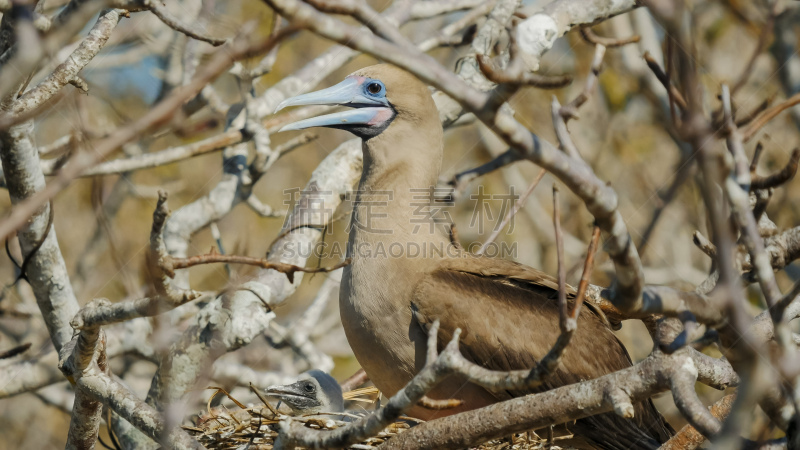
379	96
315	391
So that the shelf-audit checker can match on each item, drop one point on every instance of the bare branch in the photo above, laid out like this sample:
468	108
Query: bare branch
570	110
214	257
779	178
424	10
462	179
511	212
537	410
592	38
539	31
762	119
68	70
740	204
688	438
761	45
527	79
682	386
704	244
221	61
30	375
355	380
176	24
46	270
674	93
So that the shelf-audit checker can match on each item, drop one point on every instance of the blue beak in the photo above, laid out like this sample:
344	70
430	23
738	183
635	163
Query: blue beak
370	110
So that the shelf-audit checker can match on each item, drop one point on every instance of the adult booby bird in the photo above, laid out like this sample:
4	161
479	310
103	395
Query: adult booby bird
405	273
314	392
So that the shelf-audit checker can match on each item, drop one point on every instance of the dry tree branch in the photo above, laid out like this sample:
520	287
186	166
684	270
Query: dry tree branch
84	363
355	380
764	117
89	350
446	36
674	93
688	438
30	375
682	384
589	36
176	24
544	25
779	178
439	405
586	275
763	41
17	63
527	79
164	157
570	110
425	10
462	179
736	188
68	70
45	270
160	113
511	212
175	154
14	351
538	410
739	342
172	264
362	12
704	244
102	312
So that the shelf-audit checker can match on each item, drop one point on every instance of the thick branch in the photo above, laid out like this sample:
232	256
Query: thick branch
46	270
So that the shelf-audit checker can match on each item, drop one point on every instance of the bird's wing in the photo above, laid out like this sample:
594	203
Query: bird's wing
508	316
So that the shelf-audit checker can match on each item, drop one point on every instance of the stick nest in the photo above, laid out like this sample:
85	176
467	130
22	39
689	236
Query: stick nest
256	427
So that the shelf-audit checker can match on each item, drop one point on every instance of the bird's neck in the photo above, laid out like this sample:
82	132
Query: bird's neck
393	204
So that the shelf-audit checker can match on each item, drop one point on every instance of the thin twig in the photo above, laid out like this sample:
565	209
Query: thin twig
10	353
586	276
592	38
778	178
570	110
762	119
511	213
355	380
664	79
763	40
176	24
439	405
172	264
526	79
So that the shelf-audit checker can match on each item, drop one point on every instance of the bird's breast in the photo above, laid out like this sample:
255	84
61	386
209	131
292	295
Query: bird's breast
376	315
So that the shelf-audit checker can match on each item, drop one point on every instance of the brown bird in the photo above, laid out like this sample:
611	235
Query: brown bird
405	273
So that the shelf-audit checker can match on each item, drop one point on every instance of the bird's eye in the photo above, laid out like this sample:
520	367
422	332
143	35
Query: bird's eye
309	387
373	88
